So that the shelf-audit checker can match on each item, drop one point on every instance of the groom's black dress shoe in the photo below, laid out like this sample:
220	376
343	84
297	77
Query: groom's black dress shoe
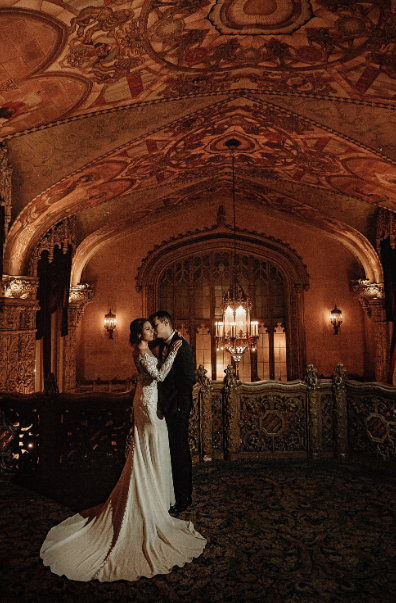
179	507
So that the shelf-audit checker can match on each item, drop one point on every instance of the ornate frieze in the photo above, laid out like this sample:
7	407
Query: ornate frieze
369	294
19	287
79	297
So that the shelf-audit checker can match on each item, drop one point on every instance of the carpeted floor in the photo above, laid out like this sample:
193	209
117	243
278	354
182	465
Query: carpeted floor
277	531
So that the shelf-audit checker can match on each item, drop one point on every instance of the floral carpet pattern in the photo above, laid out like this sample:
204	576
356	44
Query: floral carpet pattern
278	532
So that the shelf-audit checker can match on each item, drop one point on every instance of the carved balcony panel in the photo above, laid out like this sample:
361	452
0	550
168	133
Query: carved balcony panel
327	403
20	420
372	420
273	419
93	431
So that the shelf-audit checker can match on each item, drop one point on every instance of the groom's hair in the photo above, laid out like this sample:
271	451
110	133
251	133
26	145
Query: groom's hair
162	316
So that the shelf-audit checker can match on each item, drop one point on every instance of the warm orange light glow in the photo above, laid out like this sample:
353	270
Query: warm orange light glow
110	323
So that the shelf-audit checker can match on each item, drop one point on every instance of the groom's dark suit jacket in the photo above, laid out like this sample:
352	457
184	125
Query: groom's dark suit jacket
175	392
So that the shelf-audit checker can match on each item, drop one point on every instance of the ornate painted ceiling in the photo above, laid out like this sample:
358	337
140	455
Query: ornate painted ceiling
117	112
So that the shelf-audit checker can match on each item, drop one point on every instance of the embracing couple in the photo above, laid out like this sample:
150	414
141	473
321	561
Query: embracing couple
175	402
134	533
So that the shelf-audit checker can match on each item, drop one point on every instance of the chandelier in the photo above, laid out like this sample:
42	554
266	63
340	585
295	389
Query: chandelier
236	333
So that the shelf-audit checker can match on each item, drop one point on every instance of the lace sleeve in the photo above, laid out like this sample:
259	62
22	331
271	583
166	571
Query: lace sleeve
149	363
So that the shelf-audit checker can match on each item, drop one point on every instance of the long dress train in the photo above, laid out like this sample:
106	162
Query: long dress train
131	534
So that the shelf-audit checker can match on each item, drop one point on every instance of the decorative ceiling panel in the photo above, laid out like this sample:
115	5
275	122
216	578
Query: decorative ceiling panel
129	52
276	144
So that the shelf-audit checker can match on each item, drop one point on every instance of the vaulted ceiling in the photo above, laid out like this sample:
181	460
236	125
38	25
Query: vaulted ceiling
117	112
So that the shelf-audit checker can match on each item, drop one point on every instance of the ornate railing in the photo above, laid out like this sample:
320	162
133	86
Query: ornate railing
48	434
312	418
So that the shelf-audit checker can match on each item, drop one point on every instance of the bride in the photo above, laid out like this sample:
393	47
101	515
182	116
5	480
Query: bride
131	534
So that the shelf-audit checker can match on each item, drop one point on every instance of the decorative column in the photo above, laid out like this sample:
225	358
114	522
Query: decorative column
372	298
18	307
314	412
205	412
231	413
79	297
341	411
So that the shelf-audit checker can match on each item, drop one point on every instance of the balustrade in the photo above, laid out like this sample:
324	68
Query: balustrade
48	435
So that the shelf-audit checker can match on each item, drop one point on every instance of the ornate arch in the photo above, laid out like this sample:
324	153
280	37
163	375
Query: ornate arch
221	236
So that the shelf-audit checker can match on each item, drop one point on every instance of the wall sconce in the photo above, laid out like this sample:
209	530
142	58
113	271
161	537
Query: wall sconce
110	323
336	319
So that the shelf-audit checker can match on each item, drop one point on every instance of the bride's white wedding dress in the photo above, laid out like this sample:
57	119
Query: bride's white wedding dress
131	534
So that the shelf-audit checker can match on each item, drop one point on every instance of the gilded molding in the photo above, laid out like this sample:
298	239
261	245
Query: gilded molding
19	287
369	294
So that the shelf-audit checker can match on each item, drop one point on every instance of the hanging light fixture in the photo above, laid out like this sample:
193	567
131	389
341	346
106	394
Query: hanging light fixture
236	333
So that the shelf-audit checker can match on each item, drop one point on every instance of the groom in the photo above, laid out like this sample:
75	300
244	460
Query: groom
175	401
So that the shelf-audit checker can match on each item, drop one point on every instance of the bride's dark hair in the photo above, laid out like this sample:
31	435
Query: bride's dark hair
136	330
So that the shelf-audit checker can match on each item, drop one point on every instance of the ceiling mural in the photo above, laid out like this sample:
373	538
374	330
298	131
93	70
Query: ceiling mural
275	144
117	112
76	57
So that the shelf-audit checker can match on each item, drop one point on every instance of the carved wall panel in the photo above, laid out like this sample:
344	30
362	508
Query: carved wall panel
17	345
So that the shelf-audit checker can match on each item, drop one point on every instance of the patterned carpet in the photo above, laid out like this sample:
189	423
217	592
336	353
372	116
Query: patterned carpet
278	532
